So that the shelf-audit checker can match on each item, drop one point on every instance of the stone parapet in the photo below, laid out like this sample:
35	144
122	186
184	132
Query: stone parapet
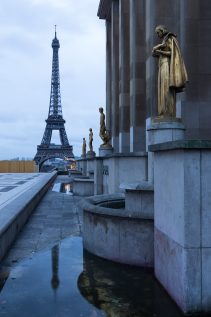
182	174
17	204
83	186
139	197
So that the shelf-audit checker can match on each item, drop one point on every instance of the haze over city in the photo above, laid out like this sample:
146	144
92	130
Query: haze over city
27	30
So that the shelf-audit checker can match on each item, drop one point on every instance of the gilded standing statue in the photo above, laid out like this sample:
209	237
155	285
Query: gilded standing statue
172	74
104	134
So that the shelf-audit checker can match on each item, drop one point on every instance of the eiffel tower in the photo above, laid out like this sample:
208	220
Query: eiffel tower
55	120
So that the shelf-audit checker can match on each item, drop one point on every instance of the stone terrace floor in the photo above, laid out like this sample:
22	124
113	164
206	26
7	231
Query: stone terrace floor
55	218
13	185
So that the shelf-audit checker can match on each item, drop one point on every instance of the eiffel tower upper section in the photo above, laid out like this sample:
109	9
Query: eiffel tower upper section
55	119
55	108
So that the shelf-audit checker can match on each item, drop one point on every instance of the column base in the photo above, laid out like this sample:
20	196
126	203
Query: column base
90	154
164	130
105	151
160	130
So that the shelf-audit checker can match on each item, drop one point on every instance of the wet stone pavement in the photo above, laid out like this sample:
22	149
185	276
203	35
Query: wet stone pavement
56	217
48	274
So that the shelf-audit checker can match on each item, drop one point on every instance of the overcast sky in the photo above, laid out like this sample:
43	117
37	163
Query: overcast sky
26	32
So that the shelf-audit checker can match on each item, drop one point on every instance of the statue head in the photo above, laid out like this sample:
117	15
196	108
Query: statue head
101	110
90	129
161	30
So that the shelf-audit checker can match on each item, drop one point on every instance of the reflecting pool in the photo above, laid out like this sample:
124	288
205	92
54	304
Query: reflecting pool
66	281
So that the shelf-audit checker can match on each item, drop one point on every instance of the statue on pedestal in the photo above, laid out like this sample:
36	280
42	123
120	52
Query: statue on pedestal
84	148
172	74
90	140
90	153
104	134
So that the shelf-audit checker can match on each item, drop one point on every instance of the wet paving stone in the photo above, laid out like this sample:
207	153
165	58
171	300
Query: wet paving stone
47	272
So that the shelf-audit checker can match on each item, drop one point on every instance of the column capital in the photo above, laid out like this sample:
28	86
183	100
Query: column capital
104	9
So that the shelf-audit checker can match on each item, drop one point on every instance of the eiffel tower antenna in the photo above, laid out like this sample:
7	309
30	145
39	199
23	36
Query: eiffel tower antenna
55	119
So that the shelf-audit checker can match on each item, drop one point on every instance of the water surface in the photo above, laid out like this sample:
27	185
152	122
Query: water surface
66	281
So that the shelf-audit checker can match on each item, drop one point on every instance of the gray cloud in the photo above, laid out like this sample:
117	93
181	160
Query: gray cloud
27	29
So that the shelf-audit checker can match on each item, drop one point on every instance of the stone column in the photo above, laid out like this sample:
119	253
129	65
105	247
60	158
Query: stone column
115	74
137	76
124	77
108	76
196	48
165	13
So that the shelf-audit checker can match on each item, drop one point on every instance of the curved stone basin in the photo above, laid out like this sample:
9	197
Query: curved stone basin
117	204
116	234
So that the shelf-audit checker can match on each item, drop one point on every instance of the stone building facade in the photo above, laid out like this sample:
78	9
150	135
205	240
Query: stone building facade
161	166
131	91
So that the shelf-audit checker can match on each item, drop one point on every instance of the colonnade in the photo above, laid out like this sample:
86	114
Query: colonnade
131	80
125	69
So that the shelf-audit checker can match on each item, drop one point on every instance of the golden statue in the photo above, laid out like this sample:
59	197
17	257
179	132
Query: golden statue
172	74
90	140
84	147
104	134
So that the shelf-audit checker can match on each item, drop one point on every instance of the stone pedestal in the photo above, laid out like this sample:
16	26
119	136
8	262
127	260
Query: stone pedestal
159	131
82	165
182	205
164	130
105	151
90	154
83	187
139	198
98	176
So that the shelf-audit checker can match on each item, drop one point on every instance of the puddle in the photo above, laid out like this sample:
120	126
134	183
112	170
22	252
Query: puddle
66	281
65	188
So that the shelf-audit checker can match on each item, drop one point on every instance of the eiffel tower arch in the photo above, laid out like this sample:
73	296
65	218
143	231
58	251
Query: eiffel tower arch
55	120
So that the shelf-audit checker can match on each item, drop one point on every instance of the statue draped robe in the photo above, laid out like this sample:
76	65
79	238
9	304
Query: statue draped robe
172	76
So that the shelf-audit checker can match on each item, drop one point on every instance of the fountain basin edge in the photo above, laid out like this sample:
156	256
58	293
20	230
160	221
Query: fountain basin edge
115	233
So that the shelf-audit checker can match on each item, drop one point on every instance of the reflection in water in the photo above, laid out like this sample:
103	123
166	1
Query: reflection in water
63	188
123	291
55	267
85	285
67	188
4	274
